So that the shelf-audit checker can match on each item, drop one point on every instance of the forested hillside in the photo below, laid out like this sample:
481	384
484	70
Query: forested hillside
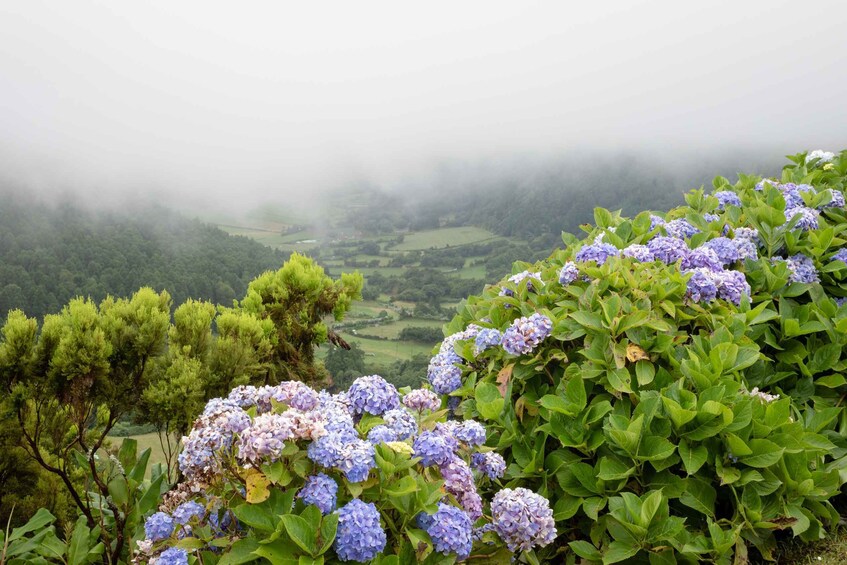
50	253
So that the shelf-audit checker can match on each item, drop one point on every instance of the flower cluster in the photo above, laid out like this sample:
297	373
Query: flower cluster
840	255
531	279
821	155
802	269
681	228
372	395
451	530
320	490
727	198
486	339
597	252
568	273
443	374
421	399
360	537
526	333
213	432
490	464
522	519
638	252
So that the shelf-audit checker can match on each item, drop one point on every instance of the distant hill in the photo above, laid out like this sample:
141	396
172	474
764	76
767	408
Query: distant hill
50	253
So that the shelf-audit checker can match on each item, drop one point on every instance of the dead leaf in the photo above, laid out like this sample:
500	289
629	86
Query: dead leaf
635	353
503	378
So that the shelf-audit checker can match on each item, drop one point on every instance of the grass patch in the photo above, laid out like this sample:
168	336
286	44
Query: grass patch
157	454
829	551
384	352
392	330
443	237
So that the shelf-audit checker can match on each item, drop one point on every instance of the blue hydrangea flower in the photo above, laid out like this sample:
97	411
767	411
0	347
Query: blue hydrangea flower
173	556
597	252
727	198
470	432
517	279
836	199
434	448
701	285
381	434
751	234
360	536
680	228
808	217
747	248
352	456
373	395
667	249
568	273
159	526
841	301
638	252
761	184
490	463
185	511
486	338
524	335
522	519
731	285
320	490
450	529
401	422
701	257
442	372
802	269
840	255
711	217
724	248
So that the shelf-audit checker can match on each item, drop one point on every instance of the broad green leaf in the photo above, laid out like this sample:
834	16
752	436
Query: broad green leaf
489	401
764	453
300	532
619	551
700	496
585	550
692	458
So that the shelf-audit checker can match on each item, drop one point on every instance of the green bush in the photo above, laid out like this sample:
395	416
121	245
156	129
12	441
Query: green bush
668	422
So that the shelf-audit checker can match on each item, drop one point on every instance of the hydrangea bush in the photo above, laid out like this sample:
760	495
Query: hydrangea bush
286	474
675	383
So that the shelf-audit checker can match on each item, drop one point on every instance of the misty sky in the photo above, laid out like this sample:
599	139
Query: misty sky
221	101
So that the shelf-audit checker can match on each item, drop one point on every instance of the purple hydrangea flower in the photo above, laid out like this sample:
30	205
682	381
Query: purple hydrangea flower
747	248
802	269
490	463
727	198
638	252
173	556
711	217
352	456
527	276
731	285
568	273
656	221
793	194
724	248
840	255
381	434
422	399
486	338
836	199
470	432
450	529
458	481
522	519
701	257
320	490
597	252
680	228
808	217
185	511
751	234
841	301
524	335
443	374
434	448
701	285
159	526
360	536
667	249
213	431
372	395
761	184
402	422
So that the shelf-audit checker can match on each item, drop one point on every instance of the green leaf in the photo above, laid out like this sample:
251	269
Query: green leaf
619	551
300	532
489	401
139	470
692	459
700	496
585	550
329	527
655	448
39	520
645	372
240	552
256	516
78	546
118	490
127	453
764	453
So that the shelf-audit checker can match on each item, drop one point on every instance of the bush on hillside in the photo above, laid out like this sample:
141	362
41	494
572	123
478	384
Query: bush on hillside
674	383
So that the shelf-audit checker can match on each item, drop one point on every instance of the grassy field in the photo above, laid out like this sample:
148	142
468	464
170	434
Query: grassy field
443	237
392	330
384	352
157	455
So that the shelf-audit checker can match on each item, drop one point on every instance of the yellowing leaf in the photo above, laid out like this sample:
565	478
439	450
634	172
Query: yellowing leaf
635	353
257	486
503	378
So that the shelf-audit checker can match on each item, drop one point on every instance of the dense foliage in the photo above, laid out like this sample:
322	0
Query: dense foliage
68	382
52	253
675	383
284	474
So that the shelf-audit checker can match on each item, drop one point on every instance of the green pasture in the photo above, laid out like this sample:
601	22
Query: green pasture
443	237
392	330
157	454
385	352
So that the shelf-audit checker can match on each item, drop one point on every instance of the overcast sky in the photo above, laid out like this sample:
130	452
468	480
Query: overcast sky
230	100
